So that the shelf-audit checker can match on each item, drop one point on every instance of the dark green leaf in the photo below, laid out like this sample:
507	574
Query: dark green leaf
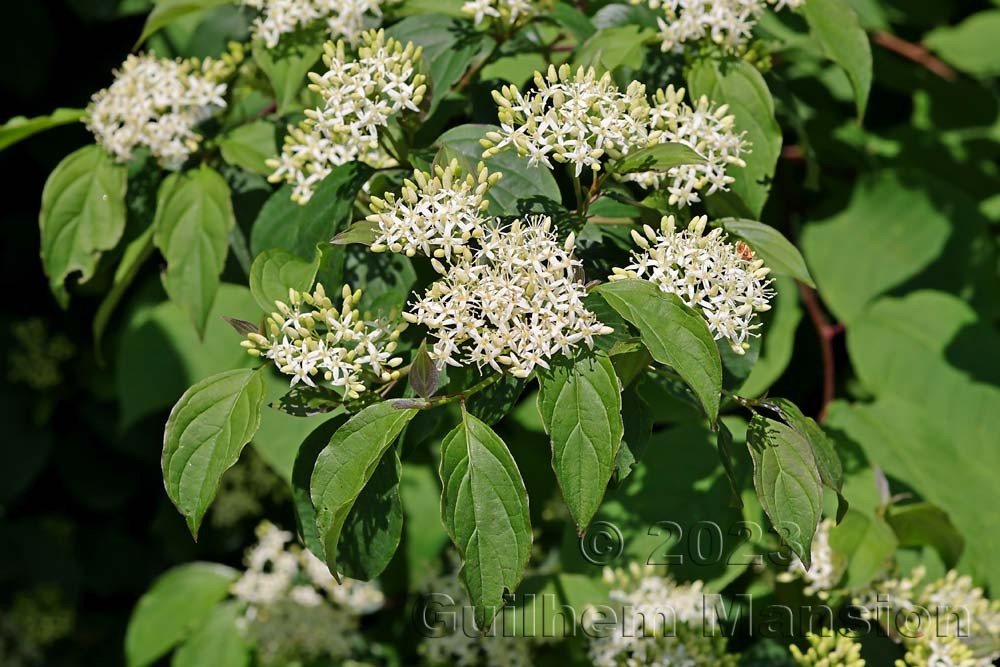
135	255
83	214
167	11
581	407
374	526
834	25
520	184
424	374
787	482
286	66
971	45
204	436
867	544
450	46
656	158
284	224
276	271
249	147
484	506
674	334
922	524
638	423
610	48
194	215
741	86
218	642
178	602
20	128
724	443
770	245
346	466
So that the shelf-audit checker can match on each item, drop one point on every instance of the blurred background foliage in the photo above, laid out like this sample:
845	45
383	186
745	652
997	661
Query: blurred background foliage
898	219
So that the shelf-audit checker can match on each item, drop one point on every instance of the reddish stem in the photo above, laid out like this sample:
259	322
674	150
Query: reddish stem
826	331
915	52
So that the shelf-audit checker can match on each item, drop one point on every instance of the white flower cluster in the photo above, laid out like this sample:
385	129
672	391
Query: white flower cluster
660	623
309	339
575	118
464	646
508	12
728	23
277	571
344	18
512	304
721	279
360	95
434	215
828	566
157	104
705	128
948	622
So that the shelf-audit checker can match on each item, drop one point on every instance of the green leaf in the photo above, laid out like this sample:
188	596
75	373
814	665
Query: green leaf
770	245
610	48
276	271
374	526
167	11
286	66
581	407
831	470
787	482
834	26
638	422
182	358
971	45
204	436
20	128
450	45
574	20
424	373
347	465
447	7
82	215
249	147
218	642
920	524
135	255
950	464
484	507
742	87
178	602
284	224
657	158
363	232
674	334
194	215
305	461
867	544
724	443
778	334
520	184
896	225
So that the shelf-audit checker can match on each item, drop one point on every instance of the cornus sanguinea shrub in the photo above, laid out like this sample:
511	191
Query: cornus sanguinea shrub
508	293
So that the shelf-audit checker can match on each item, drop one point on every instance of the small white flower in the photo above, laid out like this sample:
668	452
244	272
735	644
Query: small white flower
437	216
360	95
570	118
344	18
706	129
157	104
721	279
827	567
312	341
512	304
508	12
728	23
270	568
